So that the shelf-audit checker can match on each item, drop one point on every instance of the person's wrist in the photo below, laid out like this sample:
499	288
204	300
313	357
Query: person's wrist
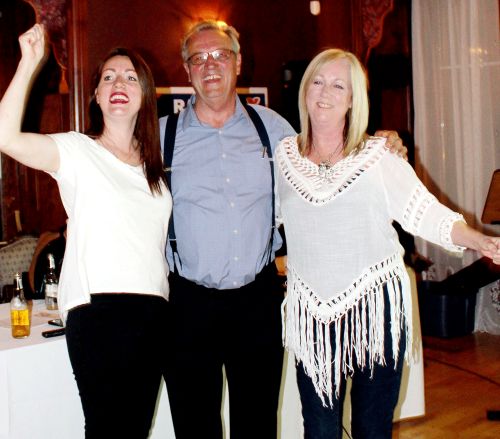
480	241
27	67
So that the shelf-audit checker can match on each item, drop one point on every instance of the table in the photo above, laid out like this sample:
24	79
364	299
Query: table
39	397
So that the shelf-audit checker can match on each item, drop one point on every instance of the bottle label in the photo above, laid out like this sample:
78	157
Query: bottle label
51	290
20	317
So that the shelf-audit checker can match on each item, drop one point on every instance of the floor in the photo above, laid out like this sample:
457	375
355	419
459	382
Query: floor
462	382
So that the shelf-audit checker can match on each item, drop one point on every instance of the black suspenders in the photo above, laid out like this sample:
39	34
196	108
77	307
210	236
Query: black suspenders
168	153
264	138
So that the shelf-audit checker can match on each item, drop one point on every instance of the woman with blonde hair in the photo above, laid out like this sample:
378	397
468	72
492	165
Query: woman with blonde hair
348	306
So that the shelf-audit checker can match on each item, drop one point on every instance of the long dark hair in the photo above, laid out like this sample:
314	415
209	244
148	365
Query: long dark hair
146	131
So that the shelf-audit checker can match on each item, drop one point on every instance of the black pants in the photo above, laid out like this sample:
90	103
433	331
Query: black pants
116	346
239	329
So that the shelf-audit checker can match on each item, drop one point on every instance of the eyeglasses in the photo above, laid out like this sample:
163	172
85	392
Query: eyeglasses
221	55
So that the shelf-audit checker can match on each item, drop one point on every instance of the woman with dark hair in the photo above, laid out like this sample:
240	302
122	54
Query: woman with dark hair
113	284
146	129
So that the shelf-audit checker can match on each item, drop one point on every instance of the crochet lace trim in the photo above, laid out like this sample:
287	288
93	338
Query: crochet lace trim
303	175
360	309
418	204
445	232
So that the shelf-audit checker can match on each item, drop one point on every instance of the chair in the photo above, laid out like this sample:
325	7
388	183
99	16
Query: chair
15	258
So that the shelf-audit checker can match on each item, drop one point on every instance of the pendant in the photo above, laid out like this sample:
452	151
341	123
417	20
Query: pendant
324	169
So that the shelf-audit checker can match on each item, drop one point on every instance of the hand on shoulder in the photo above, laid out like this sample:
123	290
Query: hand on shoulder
394	143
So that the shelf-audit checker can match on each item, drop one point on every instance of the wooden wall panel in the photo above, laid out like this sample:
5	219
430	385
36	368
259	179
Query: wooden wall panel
390	72
30	195
34	194
276	35
273	32
16	17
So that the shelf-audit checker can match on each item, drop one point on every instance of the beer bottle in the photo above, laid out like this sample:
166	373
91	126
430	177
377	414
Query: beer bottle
51	284
19	312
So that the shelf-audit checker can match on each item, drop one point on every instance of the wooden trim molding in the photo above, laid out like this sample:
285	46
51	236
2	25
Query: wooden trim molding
53	15
65	22
368	24
78	64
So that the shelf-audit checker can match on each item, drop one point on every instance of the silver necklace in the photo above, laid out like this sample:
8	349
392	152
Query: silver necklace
325	165
127	158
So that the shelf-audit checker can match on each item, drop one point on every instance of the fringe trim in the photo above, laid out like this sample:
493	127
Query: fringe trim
308	319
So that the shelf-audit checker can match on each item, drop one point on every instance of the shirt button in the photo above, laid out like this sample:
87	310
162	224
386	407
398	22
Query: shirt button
235	283
235	231
228	180
224	155
236	258
231	204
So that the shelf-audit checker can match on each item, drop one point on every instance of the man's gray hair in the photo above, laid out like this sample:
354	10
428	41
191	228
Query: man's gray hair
220	26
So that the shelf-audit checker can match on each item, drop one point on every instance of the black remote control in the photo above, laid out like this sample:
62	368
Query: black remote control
53	332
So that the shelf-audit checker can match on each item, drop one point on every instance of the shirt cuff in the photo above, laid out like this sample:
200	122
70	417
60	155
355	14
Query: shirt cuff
445	233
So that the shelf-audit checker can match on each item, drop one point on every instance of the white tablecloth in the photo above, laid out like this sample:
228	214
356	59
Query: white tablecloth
487	317
39	397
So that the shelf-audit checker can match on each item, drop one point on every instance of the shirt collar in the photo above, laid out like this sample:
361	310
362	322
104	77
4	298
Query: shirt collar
190	118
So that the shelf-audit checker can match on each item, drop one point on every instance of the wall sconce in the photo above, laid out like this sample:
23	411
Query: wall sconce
315	7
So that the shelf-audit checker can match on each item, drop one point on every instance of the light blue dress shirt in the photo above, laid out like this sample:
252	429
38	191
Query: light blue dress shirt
222	197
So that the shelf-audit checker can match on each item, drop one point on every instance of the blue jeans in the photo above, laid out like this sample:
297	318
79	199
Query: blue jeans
374	395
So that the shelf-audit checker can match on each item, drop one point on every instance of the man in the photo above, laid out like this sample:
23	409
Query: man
225	294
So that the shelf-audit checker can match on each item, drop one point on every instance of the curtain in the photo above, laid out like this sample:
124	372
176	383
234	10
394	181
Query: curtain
456	87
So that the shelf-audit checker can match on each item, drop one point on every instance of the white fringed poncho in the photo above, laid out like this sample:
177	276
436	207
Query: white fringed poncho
342	252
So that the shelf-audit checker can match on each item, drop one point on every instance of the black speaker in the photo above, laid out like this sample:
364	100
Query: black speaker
443	314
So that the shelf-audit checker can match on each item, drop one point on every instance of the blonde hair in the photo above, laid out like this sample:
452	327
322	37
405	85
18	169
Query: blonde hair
357	116
220	26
